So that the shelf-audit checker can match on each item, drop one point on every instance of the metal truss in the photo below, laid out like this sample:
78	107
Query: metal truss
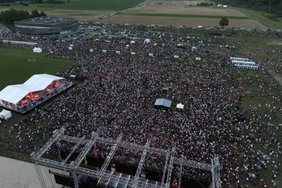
180	172
110	156
113	178
140	165
170	168
215	170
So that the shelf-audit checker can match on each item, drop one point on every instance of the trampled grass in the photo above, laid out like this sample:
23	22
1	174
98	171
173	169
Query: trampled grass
17	65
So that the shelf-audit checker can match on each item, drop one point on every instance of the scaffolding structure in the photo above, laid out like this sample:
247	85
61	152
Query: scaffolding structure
114	179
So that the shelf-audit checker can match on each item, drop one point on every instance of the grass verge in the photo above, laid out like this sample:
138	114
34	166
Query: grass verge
17	65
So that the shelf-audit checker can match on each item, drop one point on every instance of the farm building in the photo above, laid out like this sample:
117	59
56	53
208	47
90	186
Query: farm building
47	25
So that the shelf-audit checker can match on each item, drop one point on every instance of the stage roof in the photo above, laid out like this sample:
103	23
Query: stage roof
14	93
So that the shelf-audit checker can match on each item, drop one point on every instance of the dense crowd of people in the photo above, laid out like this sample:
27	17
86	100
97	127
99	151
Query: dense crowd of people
118	91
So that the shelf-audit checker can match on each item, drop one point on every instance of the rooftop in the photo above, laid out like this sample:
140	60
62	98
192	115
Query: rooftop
46	21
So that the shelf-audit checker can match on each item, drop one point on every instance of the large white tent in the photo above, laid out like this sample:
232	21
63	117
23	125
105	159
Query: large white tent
11	95
40	81
14	93
5	114
37	50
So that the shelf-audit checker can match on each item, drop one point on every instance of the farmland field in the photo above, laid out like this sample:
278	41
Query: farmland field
184	12
189	10
177	21
163	12
18	65
90	5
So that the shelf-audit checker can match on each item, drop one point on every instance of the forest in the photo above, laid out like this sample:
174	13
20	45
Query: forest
8	17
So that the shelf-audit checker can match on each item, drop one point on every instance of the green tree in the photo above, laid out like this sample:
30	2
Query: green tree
224	22
34	13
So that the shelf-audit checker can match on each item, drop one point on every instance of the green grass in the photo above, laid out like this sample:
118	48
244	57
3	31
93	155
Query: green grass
17	65
258	98
88	5
183	15
261	18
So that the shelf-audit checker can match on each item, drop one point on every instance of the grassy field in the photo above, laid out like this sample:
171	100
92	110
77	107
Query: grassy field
260	98
17	65
156	11
90	5
179	21
183	15
261	48
261	18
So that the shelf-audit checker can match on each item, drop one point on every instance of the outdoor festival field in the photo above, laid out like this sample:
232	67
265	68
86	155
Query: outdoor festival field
18	65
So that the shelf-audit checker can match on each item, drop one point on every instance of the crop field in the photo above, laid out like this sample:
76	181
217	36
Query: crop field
17	65
188	10
179	20
185	12
162	12
91	5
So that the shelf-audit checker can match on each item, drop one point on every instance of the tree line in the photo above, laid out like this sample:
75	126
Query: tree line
8	17
270	6
32	1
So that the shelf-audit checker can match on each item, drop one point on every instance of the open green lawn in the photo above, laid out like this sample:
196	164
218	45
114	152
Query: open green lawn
90	5
17	65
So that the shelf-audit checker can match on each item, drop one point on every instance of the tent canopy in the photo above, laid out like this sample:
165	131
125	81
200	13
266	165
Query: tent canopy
40	81
162	102
37	50
180	106
5	114
14	93
147	41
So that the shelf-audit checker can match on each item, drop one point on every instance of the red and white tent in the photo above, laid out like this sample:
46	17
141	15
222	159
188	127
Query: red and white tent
27	95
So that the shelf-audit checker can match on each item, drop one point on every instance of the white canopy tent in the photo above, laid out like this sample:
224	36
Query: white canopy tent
146	41
180	106
194	48
14	93
40	81
37	50
5	114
